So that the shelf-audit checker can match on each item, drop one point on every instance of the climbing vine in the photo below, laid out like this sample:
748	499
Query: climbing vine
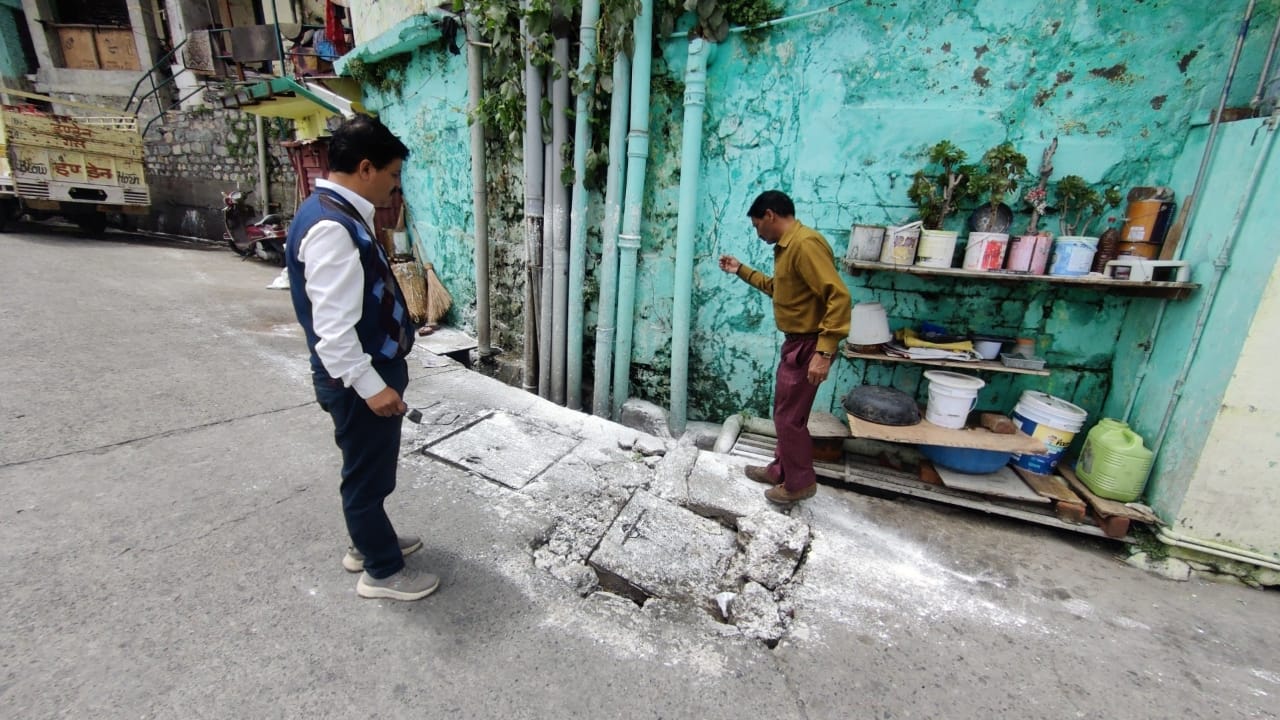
386	76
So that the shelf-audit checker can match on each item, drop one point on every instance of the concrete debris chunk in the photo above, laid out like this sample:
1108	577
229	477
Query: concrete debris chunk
755	612
718	489
663	551
645	417
772	546
671	476
648	445
723	601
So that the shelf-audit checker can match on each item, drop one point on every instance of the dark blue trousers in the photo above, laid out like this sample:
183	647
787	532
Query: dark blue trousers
370	450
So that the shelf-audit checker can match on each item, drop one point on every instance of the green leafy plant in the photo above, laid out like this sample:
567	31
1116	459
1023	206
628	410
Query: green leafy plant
1003	167
938	188
1080	206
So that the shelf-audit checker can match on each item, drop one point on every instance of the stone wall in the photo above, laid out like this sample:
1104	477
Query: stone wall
194	156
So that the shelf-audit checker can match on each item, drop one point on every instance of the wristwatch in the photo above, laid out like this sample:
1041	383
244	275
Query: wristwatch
826	355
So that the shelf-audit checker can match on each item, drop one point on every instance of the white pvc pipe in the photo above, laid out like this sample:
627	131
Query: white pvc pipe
559	221
578	204
479	199
534	179
1172	537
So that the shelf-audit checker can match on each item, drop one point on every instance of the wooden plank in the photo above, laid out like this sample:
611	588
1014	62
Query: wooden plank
1151	289
1003	483
926	433
1102	506
1050	486
913	487
982	365
826	425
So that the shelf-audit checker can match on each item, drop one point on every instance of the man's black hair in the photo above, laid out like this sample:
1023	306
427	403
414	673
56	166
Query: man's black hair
774	200
364	138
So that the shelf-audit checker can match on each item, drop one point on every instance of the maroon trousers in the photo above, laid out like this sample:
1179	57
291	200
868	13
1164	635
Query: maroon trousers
793	396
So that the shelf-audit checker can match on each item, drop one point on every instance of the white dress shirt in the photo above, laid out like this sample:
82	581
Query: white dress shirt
335	286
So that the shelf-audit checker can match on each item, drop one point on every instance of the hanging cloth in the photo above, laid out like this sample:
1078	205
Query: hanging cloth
334	31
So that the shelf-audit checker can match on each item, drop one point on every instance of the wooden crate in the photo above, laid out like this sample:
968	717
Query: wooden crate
116	49
79	51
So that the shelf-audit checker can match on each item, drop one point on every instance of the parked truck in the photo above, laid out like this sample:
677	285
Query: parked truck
84	169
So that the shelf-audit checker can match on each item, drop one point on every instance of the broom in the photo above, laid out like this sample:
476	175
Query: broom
438	299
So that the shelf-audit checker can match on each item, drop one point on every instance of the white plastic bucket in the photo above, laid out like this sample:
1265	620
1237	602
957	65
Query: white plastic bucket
900	244
1073	255
865	242
985	251
869	324
1051	420
951	397
937	247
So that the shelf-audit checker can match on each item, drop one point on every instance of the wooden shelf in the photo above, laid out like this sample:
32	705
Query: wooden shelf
1170	290
926	433
983	365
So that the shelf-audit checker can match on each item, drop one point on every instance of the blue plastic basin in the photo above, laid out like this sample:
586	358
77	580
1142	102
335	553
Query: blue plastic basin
966	460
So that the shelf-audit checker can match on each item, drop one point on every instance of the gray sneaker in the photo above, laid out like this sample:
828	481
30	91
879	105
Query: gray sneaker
354	559
408	584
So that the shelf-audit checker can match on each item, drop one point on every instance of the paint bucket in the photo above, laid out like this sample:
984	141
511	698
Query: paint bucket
1146	221
985	251
1073	255
937	248
869	324
865	242
1051	420
900	244
1018	256
1040	256
951	397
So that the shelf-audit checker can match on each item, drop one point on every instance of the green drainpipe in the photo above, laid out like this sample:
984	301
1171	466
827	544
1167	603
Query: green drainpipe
607	313
578	205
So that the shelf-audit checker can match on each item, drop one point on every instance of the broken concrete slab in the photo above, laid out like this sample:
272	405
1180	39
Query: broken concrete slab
755	612
505	449
716	488
671	474
440	418
703	435
656	549
772	546
648	445
646	417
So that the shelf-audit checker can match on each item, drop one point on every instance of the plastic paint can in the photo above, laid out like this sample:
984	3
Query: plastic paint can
1051	420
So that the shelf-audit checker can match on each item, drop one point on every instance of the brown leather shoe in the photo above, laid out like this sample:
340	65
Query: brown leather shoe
760	474
781	495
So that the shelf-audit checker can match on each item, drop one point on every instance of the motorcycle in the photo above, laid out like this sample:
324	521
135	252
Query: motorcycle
263	238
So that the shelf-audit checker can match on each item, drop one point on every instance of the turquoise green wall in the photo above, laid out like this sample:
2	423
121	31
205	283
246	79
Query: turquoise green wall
428	113
12	62
836	110
1253	259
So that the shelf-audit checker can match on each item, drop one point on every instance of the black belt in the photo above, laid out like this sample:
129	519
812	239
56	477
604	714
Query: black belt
801	336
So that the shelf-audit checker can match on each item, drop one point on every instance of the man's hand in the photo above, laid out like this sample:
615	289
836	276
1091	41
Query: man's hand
729	264
819	368
388	403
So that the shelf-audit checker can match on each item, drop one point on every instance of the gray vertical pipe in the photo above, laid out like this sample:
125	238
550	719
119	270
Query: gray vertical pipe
545	287
534	181
559	219
264	186
578	205
608	308
695	100
480	195
629	238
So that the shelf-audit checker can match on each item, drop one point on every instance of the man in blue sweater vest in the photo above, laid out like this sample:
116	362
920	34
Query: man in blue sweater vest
359	331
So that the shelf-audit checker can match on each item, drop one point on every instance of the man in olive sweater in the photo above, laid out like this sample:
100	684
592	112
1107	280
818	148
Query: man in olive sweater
811	306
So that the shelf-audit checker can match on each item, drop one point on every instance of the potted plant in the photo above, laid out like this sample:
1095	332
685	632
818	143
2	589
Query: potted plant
1029	252
1079	207
1003	167
936	190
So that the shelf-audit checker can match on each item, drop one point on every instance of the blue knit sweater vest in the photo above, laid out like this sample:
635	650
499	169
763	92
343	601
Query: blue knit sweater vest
385	330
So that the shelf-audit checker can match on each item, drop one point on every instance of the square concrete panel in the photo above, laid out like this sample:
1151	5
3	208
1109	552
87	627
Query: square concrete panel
504	449
662	550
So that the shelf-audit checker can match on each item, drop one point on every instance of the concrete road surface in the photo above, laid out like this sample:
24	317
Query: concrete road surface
171	537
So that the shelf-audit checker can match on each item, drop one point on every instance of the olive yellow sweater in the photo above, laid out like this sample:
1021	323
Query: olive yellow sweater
808	294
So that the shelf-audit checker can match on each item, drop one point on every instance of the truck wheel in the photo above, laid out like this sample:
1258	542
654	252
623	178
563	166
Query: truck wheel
92	223
8	213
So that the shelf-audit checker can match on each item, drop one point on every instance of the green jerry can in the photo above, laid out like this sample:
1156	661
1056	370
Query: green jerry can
1114	463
